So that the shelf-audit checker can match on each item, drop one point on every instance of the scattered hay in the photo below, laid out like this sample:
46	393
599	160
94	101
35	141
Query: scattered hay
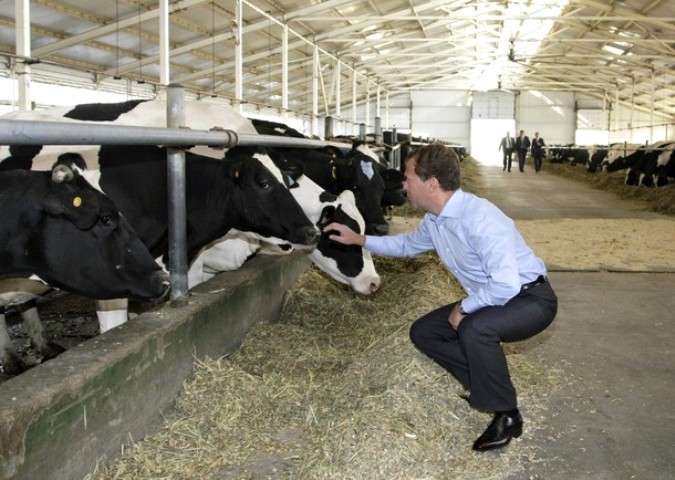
660	199
336	390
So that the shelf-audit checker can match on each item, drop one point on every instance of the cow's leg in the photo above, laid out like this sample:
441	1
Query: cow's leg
12	363
111	313
37	334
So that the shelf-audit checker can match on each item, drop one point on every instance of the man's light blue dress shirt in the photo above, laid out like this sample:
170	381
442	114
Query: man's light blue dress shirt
477	242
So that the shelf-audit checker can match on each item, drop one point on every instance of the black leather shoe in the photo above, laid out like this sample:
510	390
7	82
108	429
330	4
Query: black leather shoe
500	432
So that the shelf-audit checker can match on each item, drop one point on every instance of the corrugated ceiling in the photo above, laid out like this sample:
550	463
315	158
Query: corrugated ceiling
611	49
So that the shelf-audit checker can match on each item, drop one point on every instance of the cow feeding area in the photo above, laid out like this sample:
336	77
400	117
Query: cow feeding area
335	390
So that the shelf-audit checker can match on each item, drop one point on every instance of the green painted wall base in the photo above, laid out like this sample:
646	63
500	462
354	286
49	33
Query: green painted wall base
62	417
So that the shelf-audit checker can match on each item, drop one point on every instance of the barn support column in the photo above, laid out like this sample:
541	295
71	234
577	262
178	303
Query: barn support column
238	55
23	72
315	91
175	157
378	131
164	77
338	93
328	127
367	104
284	73
362	131
355	125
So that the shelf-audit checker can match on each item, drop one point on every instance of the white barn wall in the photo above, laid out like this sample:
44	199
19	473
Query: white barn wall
442	115
549	113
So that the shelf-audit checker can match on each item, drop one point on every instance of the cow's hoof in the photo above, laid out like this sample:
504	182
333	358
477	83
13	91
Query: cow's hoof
13	364
51	350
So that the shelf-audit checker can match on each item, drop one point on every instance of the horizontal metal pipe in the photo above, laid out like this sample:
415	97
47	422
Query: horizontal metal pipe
33	132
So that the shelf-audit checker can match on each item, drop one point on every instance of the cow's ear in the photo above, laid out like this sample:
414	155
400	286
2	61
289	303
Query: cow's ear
326	216
80	206
291	171
234	170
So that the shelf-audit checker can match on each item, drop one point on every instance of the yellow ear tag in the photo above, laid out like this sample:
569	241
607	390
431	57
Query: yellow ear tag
77	201
333	172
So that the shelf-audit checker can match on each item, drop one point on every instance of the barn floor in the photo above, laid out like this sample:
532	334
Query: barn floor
614	335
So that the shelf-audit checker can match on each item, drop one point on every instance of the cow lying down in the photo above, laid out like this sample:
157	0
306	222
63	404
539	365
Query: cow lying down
56	230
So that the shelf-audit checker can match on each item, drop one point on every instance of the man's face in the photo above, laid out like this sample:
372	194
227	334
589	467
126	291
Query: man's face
414	186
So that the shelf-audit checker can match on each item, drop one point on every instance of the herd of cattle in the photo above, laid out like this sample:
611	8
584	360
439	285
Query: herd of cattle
650	165
92	220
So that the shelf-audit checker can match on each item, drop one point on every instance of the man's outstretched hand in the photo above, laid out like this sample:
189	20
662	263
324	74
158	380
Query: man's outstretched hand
343	234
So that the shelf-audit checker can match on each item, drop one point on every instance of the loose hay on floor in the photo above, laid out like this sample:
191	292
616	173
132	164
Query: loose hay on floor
335	390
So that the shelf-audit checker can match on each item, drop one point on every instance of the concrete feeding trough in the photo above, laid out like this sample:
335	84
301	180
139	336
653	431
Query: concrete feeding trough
59	418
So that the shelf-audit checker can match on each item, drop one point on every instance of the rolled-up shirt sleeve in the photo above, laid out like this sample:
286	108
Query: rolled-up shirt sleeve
403	245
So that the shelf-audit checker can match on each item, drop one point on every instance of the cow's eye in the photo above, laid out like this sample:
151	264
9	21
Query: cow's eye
106	219
264	184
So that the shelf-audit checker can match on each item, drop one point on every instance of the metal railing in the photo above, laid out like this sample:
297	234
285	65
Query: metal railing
176	138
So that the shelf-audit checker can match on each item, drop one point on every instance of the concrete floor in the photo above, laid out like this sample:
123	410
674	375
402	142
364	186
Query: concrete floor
614	336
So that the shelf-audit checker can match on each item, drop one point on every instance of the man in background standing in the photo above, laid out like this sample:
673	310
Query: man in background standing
506	146
522	146
537	151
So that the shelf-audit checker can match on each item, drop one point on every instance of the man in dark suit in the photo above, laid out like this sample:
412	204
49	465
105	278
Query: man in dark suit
537	151
506	146
522	146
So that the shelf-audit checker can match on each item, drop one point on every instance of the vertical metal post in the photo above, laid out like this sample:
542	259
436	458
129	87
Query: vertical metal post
328	127
362	132
175	117
378	131
23	48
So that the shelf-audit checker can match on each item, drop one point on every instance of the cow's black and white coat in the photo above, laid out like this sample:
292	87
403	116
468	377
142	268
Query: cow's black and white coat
56	230
201	115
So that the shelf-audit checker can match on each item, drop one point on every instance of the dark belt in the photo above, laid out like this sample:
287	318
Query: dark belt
540	279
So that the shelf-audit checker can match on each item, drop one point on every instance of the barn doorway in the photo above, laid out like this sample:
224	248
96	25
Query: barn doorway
486	134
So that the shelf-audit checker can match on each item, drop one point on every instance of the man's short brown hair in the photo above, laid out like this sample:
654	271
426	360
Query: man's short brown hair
437	161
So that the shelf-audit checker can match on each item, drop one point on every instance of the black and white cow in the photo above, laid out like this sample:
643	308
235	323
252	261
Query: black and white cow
250	197
201	115
393	195
335	173
597	158
643	171
351	266
665	166
621	156
56	230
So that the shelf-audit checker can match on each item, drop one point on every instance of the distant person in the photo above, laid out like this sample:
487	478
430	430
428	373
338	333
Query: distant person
506	146
537	151
522	146
508	297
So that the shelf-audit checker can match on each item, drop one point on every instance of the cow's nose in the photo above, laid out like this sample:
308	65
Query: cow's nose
381	229
310	235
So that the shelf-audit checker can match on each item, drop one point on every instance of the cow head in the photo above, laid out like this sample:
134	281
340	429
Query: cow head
358	174
75	239
349	264
266	208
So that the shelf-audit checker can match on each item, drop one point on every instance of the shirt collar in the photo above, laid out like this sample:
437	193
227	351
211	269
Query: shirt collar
452	208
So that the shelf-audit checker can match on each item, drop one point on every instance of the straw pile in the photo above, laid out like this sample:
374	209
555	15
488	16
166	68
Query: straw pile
335	390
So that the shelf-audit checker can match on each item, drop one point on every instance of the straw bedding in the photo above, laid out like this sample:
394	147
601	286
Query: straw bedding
335	390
